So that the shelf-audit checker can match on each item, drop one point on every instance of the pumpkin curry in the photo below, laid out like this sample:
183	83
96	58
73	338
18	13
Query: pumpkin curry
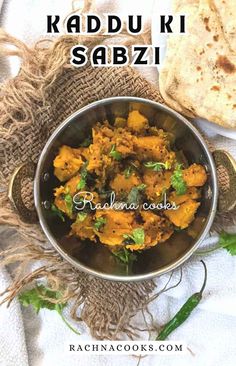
137	163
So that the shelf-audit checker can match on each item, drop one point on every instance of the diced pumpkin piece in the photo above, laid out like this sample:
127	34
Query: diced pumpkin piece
66	163
69	187
60	203
153	148
195	175
157	229
120	184
156	183
83	229
124	142
117	224
64	196
192	193
120	122
83	152
184	215
136	121
95	162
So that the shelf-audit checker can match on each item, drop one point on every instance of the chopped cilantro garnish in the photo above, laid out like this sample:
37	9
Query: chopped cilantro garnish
81	216
83	177
115	154
42	297
228	242
157	166
125	256
177	180
137	236
128	171
69	202
57	212
81	184
99	223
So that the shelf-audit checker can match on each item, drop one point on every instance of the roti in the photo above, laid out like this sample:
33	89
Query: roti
199	74
226	10
189	8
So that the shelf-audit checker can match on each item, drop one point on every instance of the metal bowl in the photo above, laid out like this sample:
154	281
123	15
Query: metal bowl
96	259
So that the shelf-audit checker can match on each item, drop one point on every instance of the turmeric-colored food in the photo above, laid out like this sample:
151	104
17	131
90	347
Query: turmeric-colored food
184	215
67	163
110	190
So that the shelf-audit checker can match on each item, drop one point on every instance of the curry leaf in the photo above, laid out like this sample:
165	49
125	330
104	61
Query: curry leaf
177	180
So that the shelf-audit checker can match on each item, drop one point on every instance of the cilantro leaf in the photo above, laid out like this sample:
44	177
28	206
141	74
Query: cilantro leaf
124	255
81	216
128	171
228	242
69	202
177	180
99	223
137	236
115	154
141	187
58	212
40	296
83	177
35	298
81	184
157	166
134	195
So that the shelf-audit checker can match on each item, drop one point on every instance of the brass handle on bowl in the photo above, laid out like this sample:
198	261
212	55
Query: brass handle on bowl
226	169
26	170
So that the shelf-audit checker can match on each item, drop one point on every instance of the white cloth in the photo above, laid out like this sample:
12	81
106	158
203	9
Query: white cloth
12	336
41	340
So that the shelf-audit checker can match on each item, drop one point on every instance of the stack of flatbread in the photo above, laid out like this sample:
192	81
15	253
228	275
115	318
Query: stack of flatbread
198	77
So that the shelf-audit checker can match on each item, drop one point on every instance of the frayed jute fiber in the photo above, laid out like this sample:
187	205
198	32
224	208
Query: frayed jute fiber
46	91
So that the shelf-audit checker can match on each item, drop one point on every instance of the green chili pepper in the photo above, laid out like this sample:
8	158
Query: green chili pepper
184	312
